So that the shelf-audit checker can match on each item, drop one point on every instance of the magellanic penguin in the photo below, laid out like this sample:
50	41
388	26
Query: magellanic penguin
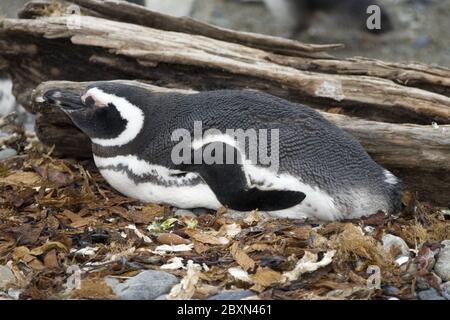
321	172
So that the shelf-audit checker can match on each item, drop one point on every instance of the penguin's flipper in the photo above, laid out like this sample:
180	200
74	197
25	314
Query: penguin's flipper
229	183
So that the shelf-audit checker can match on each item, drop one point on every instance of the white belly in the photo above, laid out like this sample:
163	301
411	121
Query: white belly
317	204
198	196
189	196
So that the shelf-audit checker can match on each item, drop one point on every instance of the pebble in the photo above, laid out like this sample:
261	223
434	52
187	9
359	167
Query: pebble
442	266
147	285
445	287
199	211
6	277
430	294
391	290
232	295
7	153
423	284
184	213
390	241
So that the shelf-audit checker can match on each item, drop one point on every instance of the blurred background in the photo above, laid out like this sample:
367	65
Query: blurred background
411	30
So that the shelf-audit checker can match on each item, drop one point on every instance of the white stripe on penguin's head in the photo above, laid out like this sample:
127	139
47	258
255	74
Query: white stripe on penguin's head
133	116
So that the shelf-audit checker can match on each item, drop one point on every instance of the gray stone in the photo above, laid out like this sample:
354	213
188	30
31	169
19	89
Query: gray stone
6	277
423	284
430	294
390	241
14	293
184	213
199	211
442	266
147	285
445	290
232	295
391	290
112	282
7	153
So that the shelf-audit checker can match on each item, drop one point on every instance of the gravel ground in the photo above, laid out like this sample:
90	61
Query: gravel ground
421	28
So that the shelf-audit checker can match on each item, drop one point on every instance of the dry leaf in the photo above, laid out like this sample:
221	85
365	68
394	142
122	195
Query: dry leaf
259	247
253	217
241	257
171	238
204	291
200	247
93	289
150	212
208	237
266	277
48	246
27	179
24	255
28	233
51	259
122	212
300	233
77	220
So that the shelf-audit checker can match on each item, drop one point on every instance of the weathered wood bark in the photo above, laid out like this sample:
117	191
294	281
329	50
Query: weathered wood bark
127	12
104	49
308	57
115	40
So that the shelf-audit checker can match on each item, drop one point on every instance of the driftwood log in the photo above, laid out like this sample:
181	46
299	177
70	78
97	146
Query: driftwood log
389	107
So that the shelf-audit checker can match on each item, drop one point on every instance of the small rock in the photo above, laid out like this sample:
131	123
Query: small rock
200	211
391	290
445	287
442	266
147	285
7	153
232	295
430	294
428	281
184	213
6	277
14	293
112	282
390	241
162	297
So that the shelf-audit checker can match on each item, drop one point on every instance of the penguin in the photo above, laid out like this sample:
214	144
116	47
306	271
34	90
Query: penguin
159	147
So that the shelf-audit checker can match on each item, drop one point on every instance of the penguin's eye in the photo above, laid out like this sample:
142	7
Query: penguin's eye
90	102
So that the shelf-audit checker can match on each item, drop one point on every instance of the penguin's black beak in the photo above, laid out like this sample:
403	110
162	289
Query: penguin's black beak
67	100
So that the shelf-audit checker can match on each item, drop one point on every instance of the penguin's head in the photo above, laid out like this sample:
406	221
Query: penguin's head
104	111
